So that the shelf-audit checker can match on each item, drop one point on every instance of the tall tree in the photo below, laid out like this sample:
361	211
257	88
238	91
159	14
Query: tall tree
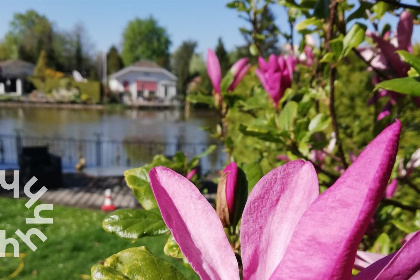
261	34
181	60
9	48
78	56
223	56
32	33
41	65
145	39
113	61
74	50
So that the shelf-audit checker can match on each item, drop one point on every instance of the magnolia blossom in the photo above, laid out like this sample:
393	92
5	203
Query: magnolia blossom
226	192
238	70
191	174
391	188
288	230
276	75
414	162
307	56
385	57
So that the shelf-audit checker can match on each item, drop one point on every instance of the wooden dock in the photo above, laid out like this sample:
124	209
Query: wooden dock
85	191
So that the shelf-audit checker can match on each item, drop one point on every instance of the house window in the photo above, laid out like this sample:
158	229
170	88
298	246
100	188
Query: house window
166	91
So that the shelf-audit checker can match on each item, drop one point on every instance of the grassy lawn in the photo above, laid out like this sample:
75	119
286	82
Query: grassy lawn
75	242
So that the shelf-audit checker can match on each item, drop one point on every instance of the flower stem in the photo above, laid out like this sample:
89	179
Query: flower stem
333	70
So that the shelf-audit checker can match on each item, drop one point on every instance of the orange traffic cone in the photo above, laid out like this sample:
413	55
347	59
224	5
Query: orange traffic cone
108	205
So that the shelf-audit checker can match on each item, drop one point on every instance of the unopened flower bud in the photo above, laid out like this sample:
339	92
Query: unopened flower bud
191	174
226	191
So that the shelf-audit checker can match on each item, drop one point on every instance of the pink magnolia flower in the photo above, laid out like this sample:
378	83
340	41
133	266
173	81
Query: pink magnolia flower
213	69
391	188
403	42
232	175
307	57
414	162
239	70
288	230
387	58
276	75
191	174
226	193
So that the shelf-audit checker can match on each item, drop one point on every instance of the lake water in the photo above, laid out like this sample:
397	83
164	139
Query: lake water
155	126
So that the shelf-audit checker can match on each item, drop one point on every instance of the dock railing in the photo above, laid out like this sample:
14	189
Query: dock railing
100	152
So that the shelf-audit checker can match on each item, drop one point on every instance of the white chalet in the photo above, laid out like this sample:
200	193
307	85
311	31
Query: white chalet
144	83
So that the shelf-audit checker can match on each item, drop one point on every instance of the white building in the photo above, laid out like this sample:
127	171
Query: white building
13	74
143	83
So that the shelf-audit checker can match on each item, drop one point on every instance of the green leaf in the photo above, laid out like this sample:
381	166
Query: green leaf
328	57
380	9
135	264
301	130
288	115
382	244
321	9
263	132
226	81
307	22
319	123
172	249
134	223
403	226
411	59
337	46
353	38
253	50
409	85
253	173
137	180
201	99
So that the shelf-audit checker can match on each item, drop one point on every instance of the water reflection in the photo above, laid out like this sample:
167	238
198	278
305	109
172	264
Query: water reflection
169	127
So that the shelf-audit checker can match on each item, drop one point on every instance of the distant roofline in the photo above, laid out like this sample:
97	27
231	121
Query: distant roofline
142	69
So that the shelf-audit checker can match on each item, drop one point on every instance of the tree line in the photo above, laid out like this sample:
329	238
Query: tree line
31	33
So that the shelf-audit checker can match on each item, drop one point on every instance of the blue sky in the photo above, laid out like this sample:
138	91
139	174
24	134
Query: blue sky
105	20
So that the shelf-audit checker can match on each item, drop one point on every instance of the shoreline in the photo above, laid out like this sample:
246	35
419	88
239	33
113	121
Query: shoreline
51	105
11	104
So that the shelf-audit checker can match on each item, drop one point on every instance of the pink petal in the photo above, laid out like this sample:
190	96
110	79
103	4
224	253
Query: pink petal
407	237
364	259
262	79
194	225
272	63
283	158
263	64
389	51
404	30
400	265
324	243
237	67
290	63
271	213
191	174
281	62
386	111
213	69
231	180
390	189
239	77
